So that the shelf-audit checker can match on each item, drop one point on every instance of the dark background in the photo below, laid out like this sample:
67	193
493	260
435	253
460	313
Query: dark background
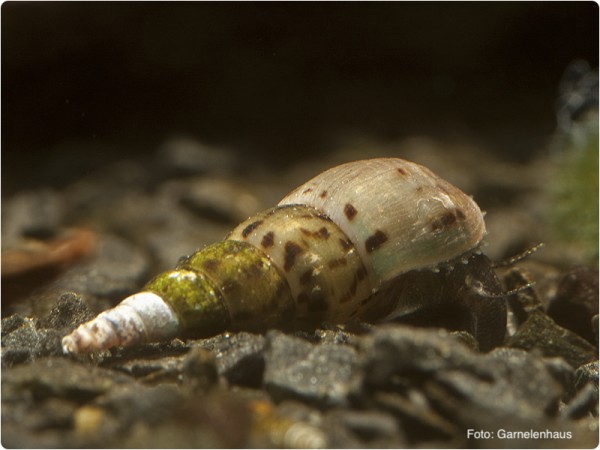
87	83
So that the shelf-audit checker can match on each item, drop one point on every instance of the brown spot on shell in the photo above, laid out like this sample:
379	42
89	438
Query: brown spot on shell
375	241
306	276
350	211
253	271
321	233
402	171
361	273
323	194
460	214
250	228
307	190
337	262
346	244
268	240
447	220
291	250
211	264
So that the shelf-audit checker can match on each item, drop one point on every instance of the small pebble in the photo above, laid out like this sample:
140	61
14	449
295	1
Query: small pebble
298	369
87	420
199	370
576	302
540	332
239	357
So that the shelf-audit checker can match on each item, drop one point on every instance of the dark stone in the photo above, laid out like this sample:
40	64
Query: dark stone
200	370
42	423
59	377
561	371
586	379
576	302
53	413
151	369
438	387
236	356
584	403
540	332
134	402
69	312
373	429
467	339
472	403
335	336
586	374
399	350
25	340
11	323
151	350
513	371
239	356
317	374
29	343
416	415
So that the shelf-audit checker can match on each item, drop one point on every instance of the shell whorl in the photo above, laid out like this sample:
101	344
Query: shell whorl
399	215
141	317
323	270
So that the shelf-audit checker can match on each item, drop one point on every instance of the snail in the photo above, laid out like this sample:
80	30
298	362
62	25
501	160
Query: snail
375	238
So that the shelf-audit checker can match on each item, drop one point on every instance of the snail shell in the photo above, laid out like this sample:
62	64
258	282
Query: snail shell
399	215
319	255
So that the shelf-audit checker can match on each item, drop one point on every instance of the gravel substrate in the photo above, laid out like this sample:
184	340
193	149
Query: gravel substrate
364	385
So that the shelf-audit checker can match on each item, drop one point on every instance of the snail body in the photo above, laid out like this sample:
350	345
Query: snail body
327	252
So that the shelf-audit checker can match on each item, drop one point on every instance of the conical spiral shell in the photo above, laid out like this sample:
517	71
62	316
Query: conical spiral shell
320	255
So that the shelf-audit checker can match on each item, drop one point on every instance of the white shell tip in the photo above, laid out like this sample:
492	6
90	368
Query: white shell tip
69	345
142	317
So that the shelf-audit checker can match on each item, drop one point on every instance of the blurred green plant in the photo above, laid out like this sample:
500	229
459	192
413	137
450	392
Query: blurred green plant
573	187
